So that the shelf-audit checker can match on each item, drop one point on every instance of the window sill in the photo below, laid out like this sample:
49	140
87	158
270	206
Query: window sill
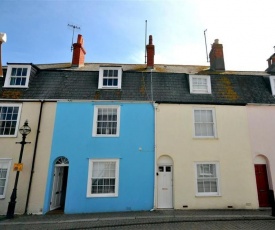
105	87
200	92
107	136
205	138
102	196
9	136
15	87
207	195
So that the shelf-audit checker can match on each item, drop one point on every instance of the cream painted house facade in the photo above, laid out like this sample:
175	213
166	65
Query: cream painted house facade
9	154
203	158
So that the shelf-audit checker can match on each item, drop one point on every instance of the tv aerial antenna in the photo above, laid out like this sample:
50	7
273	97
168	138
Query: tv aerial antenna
206	45
74	27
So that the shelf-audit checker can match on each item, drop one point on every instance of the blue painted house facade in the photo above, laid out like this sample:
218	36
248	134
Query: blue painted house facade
105	171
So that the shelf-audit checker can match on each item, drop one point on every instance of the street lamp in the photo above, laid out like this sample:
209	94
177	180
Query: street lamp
24	130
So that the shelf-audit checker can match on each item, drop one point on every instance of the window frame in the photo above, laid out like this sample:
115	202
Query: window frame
8	162
8	76
272	84
197	91
96	107
90	176
217	168
101	77
214	123
18	117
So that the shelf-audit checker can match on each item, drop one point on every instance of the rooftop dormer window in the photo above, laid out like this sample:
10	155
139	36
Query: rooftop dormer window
200	84
110	78
18	76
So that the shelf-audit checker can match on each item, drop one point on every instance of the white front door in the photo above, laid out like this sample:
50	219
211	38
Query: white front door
165	188
57	187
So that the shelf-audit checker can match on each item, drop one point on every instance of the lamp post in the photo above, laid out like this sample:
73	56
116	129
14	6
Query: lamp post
24	130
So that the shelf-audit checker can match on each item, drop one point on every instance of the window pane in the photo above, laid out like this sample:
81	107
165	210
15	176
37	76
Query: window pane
1	190
15	109
209	131
209	117
105	73
13	81
13	72
198	130
200	186
197	114
23	82
109	82
19	72
3	173
18	81
24	72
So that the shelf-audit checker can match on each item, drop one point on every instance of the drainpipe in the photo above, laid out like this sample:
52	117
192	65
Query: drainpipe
272	203
34	156
155	155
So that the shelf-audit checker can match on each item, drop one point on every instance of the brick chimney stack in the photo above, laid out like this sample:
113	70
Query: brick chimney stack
216	57
78	52
150	53
271	60
271	64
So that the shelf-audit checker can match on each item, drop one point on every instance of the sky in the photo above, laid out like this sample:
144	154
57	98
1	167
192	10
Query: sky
114	31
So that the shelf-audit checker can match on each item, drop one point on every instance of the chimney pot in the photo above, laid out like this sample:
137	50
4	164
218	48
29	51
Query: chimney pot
150	40
78	52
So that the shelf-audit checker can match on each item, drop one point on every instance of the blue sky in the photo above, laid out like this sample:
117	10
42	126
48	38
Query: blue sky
114	30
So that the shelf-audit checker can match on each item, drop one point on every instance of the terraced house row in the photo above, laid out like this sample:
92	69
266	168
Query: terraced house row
127	137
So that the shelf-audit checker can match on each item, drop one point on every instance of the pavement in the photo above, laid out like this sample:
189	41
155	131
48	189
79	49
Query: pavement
101	220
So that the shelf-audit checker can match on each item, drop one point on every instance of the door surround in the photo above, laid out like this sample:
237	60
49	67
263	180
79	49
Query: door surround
59	183
164	180
262	180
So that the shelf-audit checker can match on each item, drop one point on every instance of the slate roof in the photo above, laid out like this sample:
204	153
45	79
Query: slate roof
165	84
